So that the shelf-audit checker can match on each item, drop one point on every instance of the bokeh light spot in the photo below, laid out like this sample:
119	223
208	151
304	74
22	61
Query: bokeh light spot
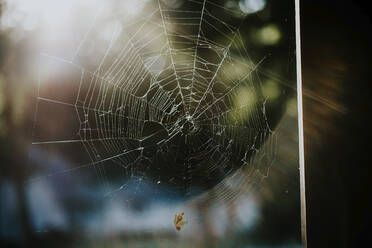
251	6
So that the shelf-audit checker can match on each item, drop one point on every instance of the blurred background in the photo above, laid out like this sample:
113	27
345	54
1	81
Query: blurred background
72	209
83	173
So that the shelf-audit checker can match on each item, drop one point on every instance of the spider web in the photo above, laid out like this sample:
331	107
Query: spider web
170	96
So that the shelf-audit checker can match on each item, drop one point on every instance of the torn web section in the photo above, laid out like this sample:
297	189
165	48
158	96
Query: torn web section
56	121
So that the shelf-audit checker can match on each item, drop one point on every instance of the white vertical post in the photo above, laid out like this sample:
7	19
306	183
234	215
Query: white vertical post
300	125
